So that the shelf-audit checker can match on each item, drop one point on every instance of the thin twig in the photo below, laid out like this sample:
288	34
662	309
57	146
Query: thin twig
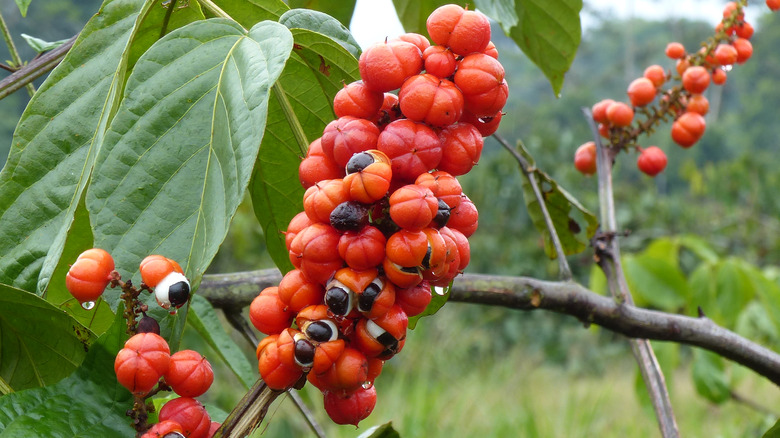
17	60
563	264
34	69
608	256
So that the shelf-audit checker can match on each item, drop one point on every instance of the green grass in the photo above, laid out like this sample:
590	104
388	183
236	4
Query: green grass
466	373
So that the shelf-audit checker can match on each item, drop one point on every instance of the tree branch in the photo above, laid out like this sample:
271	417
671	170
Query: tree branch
565	297
34	69
12	50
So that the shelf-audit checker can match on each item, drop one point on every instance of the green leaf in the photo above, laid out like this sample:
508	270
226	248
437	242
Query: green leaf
180	151
300	108
250	12
569	217
656	281
768	293
23	5
340	10
548	32
439	297
700	247
773	432
381	431
203	318
321	23
503	11
155	25
709	376
734	290
39	344
414	13
88	403
40	45
664	248
79	239
56	142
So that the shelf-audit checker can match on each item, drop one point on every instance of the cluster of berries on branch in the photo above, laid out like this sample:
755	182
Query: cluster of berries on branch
385	219
676	95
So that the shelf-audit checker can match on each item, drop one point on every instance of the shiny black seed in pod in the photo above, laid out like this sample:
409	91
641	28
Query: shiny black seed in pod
442	214
321	331
426	261
179	293
338	301
359	161
147	324
367	298
304	353
412	269
349	216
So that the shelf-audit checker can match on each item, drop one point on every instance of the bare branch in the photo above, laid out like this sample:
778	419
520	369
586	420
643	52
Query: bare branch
565	297
34	69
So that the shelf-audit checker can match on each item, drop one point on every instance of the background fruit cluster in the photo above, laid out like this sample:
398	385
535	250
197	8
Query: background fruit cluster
385	219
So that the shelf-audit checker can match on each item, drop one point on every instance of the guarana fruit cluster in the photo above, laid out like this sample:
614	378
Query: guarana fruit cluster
385	218
682	103
146	360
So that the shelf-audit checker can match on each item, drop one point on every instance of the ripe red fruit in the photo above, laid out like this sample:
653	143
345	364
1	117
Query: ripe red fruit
268	313
414	300
297	223
143	360
439	61
320	199
651	161
696	79
368	177
481	80
389	111
413	148
350	408
464	217
486	126
698	104
688	129
461	148
357	100
682	65
418	40
364	249
641	91
385	66
189	374
163	429
491	50
719	76
314	251
599	110
773	4
725	54
296	291
275	374
348	372
656	74
190	414
317	167
413	207
675	50
620	114
744	50
382	337
346	136
585	158
730	9
744	30
461	30
89	275
443	185
430	99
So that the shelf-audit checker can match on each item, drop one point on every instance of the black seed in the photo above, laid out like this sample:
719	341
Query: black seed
359	161
426	261
387	340
349	216
410	270
304	352
147	324
179	293
319	331
367	298
337	300
442	214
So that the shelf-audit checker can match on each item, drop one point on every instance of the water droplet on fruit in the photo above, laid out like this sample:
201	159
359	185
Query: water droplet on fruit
439	290
367	385
88	305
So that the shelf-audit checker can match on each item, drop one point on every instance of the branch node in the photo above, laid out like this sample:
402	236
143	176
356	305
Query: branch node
701	312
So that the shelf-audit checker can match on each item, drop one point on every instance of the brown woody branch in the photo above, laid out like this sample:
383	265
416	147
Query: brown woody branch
34	69
569	298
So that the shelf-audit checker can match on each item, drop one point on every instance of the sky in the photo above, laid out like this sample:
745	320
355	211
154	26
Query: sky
374	20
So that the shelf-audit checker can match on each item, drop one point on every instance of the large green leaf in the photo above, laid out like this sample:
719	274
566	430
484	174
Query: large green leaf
656	281
301	106
548	32
773	432
250	12
341	10
57	140
39	344
709	376
180	151
381	431
321	23
414	13
573	223
99	318
203	318
503	11
88	403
